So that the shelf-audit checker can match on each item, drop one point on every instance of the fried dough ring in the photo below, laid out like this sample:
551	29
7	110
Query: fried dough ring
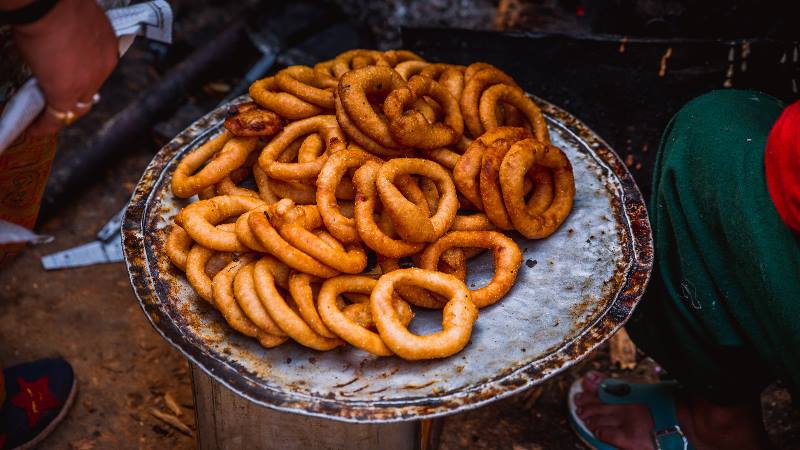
458	316
407	69
326	126
357	59
343	228
248	120
507	259
178	245
268	95
411	294
199	220
350	259
516	164
303	295
489	177
500	93
364	210
474	87
325	68
196	262
443	156
307	84
448	75
472	222
396	57
468	168
409	221
244	291
410	127
355	86
354	133
228	184
350	331
289	255
245	234
226	304
286	318
224	155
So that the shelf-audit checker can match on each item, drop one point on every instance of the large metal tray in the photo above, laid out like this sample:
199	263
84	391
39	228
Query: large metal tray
573	291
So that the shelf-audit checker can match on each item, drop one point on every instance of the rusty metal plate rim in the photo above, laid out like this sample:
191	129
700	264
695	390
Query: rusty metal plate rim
611	318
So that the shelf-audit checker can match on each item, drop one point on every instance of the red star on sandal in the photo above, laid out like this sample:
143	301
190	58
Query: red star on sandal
38	396
35	398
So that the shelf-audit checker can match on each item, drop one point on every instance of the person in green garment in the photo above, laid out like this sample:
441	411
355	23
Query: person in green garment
722	311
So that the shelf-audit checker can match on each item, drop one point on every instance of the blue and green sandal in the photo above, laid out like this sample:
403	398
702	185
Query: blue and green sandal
659	399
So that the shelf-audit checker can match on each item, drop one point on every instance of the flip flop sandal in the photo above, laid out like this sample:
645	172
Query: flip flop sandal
667	434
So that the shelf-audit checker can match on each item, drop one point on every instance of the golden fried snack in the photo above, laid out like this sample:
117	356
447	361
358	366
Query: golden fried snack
248	120
411	294
396	57
407	69
357	59
268	95
245	234
355	89
244	291
448	75
458	316
325	68
303	294
474	88
199	220
443	156
286	318
289	255
178	245
467	170
495	96
409	221
196	261
307	84
507	259
346	328
472	222
343	228
410	127
328	129
226	304
489	177
291	225
228	185
516	164
354	133
223	155
364	212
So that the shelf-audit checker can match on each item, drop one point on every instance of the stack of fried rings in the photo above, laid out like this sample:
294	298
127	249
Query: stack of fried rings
373	153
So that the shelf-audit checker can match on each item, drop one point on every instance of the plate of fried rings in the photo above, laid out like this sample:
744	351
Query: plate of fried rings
381	238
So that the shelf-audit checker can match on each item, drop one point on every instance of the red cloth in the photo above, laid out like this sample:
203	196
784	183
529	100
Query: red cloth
782	161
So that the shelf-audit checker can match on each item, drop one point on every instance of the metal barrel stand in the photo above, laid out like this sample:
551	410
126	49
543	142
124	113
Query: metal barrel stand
227	421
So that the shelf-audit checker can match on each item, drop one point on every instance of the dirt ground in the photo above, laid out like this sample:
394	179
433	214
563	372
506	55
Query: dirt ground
91	317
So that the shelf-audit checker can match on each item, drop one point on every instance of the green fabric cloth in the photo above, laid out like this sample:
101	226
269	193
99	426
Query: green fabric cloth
722	312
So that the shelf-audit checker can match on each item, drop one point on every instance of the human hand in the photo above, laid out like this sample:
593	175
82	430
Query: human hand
71	51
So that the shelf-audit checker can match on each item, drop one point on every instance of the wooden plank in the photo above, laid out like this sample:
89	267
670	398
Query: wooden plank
227	421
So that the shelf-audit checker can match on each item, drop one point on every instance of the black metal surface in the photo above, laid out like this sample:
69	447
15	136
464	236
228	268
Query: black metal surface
616	89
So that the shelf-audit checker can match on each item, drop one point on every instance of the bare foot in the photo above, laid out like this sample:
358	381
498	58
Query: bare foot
706	425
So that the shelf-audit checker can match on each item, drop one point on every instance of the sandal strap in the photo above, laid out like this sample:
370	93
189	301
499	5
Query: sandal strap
659	399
